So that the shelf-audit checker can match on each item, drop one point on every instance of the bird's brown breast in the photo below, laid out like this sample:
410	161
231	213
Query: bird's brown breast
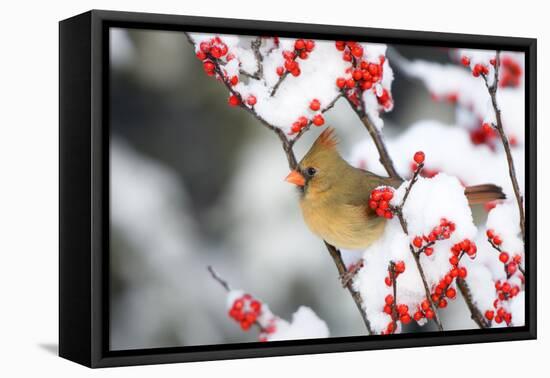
341	224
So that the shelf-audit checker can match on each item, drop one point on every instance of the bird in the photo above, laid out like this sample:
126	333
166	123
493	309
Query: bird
334	195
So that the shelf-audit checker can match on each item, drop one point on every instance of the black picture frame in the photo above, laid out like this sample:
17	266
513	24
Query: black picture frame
84	193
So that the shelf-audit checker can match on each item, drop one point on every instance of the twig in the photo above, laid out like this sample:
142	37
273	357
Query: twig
416	255
293	164
278	83
492	89
393	279
342	270
476	315
255	46
499	250
220	280
378	140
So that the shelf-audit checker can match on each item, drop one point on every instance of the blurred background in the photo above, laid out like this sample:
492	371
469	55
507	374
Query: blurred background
195	182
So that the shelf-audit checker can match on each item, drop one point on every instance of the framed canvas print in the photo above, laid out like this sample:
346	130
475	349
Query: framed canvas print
234	188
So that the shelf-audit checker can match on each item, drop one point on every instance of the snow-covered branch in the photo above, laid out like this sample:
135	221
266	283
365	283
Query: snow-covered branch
217	56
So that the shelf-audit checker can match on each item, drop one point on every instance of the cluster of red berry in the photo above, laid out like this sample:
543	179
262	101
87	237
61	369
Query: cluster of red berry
317	119
478	69
510	265
245	310
510	72
505	291
210	50
423	311
401	314
302	48
441	232
362	75
380	201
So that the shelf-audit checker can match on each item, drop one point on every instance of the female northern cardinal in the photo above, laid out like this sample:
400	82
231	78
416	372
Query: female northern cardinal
334	196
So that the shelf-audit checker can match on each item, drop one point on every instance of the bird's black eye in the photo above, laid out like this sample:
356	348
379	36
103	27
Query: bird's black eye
311	171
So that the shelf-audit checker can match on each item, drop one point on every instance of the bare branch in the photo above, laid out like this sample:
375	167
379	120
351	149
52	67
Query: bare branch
492	89
378	140
220	280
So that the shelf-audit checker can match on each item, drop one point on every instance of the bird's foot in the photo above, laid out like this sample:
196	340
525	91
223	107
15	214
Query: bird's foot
347	278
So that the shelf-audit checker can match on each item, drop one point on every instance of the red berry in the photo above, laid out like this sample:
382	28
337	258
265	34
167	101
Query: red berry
493	62
489	314
400	267
315	105
387	309
442	303
429	251
417	242
238	304
245	325
402	309
234	80
425	305
234	100
251	100
340	45
388	214
418	315
303	54
318	120
296	127
302	121
350	83
450	293
388	299
388	194
208	66
497	240
453	260
290	64
419	157
376	195
429	314
511	268
357	51
216	52
373	204
205	46
384	205
280	70
299	44
296	71
310	44
380	212
465	61
201	55
503	257
405	319
462	272
387	280
490	234
357	75
340	82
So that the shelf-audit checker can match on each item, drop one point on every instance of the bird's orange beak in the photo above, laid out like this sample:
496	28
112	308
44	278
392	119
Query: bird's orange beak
296	178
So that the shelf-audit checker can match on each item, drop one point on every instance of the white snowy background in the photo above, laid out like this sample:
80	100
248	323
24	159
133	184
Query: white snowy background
197	183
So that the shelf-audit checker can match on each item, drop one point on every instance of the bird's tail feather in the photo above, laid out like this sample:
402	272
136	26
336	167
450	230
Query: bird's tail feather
480	194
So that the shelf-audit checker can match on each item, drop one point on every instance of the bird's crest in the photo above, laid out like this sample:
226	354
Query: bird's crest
327	138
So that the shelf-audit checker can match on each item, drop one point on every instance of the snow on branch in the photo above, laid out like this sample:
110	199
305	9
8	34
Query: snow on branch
248	311
297	105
